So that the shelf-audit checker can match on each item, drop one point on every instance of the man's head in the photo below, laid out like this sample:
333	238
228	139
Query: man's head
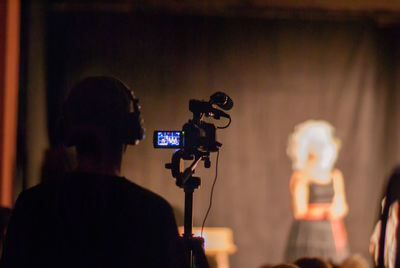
100	116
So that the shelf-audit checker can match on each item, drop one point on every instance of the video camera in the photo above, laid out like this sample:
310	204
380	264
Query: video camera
197	135
197	138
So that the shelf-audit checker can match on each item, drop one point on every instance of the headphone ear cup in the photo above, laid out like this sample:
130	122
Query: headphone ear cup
135	126
135	131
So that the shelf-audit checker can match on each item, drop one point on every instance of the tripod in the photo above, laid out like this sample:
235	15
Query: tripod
195	255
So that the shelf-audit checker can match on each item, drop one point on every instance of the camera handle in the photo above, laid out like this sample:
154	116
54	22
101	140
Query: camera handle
194	253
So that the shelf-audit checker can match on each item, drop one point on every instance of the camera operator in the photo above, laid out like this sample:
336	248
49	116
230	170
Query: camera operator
93	217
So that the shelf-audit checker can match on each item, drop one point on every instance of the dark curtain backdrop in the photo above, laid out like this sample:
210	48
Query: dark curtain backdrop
279	73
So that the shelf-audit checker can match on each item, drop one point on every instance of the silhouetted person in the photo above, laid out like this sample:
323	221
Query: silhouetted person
384	241
92	217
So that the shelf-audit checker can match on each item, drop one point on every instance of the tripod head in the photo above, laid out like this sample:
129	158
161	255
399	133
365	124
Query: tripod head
183	176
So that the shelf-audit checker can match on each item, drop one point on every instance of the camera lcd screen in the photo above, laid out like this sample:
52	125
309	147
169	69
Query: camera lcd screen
168	139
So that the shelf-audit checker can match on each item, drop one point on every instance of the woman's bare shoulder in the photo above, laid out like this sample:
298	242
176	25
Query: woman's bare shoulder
337	173
299	177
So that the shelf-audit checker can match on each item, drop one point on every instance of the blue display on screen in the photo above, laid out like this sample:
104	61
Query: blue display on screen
168	139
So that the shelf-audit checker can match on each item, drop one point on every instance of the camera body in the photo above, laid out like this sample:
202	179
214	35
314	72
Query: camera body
193	137
197	137
200	137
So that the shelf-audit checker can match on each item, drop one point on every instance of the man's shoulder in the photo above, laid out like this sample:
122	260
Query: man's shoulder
136	191
118	186
37	190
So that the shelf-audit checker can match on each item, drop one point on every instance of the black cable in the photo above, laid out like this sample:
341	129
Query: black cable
211	194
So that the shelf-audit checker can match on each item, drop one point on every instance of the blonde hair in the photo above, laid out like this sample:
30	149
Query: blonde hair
316	136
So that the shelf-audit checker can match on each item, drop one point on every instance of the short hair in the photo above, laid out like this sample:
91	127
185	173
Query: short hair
312	262
95	112
317	136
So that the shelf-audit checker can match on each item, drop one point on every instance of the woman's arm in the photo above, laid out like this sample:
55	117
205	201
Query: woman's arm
299	193
339	207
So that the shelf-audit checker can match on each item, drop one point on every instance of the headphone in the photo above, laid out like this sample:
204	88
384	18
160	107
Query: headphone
134	127
131	130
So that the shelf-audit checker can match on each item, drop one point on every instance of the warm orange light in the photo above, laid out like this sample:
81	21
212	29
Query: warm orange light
10	55
216	239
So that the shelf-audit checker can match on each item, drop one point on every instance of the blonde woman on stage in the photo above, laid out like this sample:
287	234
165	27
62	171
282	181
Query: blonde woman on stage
317	194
